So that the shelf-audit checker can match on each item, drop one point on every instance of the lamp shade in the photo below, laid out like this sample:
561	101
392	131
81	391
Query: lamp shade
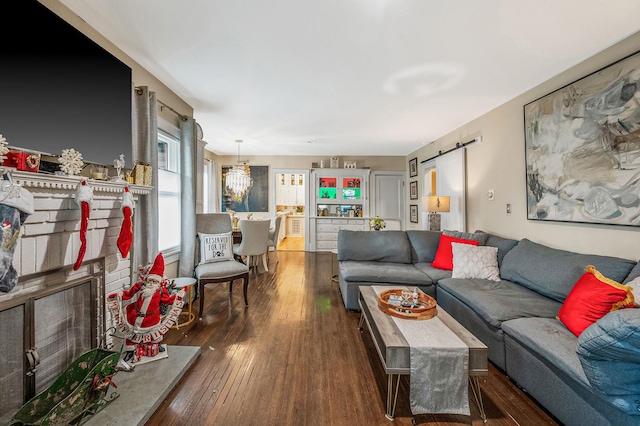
438	204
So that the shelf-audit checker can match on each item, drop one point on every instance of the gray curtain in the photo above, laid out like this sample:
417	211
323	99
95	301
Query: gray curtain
188	144
145	149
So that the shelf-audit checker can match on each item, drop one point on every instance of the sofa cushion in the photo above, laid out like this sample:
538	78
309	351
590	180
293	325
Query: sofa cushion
551	341
434	273
503	245
475	262
480	237
609	351
444	255
498	301
387	246
635	273
553	272
424	245
591	298
382	272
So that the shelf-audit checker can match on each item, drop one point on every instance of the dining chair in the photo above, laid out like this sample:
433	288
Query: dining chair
272	242
254	244
214	253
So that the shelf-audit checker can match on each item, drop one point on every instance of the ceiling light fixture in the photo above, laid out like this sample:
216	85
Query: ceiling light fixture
238	179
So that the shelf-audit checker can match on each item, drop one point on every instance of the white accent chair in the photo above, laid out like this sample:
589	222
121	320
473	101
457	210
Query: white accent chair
254	244
272	242
221	271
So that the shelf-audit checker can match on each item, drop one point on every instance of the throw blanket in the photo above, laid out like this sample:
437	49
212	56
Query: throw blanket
439	366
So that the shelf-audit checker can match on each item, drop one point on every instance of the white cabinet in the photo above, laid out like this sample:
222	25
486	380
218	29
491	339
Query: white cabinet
290	189
295	226
326	231
336	194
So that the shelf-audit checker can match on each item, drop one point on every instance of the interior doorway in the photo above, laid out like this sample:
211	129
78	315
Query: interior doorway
446	175
290	201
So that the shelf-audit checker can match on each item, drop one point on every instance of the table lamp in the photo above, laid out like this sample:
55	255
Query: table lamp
435	205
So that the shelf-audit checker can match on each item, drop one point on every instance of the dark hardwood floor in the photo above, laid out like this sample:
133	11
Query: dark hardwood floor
296	357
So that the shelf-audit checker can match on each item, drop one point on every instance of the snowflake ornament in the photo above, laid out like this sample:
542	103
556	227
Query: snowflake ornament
3	148
71	162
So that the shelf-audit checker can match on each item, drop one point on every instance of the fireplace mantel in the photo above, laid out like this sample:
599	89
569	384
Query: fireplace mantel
40	180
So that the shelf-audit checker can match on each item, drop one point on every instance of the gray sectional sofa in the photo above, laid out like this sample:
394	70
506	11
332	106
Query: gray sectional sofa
592	379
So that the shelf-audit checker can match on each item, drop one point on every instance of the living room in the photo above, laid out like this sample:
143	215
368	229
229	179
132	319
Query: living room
495	162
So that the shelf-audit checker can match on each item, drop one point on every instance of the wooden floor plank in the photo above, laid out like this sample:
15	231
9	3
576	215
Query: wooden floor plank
297	357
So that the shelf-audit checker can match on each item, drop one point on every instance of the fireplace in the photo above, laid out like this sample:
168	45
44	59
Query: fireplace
55	313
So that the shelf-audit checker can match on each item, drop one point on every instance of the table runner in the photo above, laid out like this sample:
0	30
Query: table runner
439	372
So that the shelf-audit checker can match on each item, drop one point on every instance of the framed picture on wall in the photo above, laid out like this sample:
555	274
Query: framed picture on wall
413	190
413	167
413	213
582	146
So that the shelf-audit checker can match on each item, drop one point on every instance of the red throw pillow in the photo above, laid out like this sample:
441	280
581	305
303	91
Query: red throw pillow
592	297
444	254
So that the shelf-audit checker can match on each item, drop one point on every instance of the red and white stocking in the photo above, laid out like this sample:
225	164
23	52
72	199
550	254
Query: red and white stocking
126	231
84	197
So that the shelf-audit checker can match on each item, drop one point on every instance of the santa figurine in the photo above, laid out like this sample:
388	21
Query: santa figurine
138	311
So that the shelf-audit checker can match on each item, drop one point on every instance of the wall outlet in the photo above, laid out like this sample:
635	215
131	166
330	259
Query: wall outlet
491	195
508	208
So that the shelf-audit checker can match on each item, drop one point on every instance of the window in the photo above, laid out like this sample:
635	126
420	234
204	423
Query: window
168	191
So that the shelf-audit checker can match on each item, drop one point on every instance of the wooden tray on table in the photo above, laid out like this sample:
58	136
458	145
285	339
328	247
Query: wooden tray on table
425	310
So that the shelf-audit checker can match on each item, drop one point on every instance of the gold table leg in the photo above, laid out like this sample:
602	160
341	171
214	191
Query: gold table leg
190	315
392	396
477	395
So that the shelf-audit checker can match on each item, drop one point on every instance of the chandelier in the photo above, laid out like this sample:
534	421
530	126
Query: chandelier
238	179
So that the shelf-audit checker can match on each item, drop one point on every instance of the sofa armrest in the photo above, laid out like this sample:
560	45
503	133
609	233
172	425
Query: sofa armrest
609	351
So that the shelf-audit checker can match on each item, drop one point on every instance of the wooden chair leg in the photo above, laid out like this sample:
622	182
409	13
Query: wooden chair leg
245	287
264	262
201	291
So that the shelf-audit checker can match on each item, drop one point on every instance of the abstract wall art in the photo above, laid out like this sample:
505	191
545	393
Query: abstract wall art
256	199
582	148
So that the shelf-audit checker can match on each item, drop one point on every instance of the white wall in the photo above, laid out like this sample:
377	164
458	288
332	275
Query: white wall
498	162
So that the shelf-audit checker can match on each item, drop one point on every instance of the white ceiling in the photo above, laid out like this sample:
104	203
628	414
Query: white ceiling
358	77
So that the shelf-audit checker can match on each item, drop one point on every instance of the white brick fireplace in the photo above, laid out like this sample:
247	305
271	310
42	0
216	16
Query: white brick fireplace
44	256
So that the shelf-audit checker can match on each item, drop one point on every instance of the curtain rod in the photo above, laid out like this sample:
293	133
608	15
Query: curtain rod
163	105
458	145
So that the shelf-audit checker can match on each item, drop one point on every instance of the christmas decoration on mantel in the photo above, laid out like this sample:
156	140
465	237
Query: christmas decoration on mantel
16	204
4	148
119	164
71	162
84	198
126	231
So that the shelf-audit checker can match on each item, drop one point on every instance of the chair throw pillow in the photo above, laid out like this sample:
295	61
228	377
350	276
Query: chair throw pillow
591	298
216	247
444	254
475	262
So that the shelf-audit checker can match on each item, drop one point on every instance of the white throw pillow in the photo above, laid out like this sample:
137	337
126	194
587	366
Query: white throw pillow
475	262
635	289
216	247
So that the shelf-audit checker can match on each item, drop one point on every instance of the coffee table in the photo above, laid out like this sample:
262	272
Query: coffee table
394	351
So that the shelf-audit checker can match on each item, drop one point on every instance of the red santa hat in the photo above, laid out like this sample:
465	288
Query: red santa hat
157	270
